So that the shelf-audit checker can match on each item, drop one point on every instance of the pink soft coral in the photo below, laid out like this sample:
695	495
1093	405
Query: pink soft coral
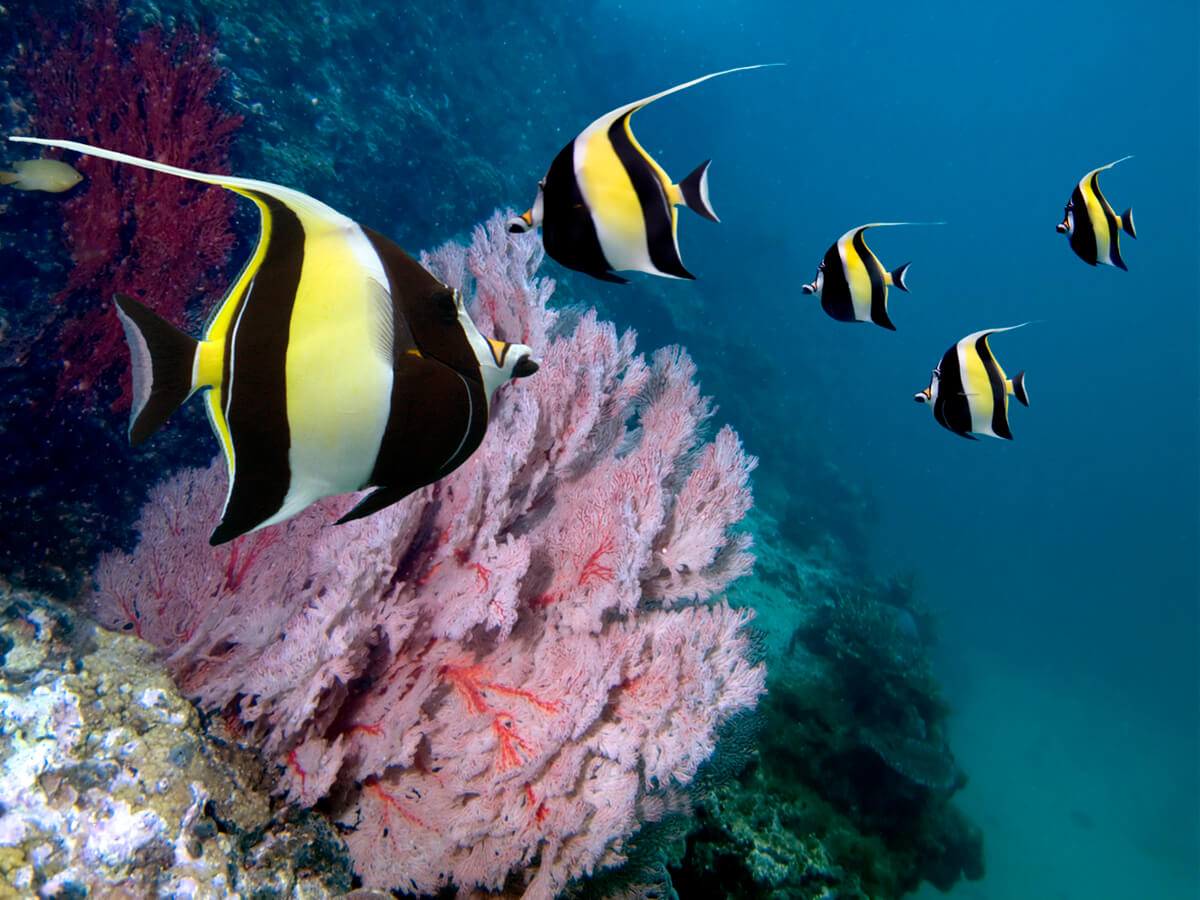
510	670
160	238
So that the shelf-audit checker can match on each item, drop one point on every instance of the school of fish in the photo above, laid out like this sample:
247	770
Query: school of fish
335	362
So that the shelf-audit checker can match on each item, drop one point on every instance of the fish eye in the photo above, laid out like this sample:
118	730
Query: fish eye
821	266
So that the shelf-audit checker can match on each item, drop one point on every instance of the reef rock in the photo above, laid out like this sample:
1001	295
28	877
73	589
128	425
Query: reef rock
110	786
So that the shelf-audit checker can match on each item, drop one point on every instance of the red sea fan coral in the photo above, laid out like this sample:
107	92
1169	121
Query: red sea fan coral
162	239
505	674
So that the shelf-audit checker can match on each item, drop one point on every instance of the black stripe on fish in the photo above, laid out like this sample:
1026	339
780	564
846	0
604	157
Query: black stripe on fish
656	209
424	309
1083	238
952	408
835	289
439	410
998	388
1112	223
568	232
255	390
438	418
878	286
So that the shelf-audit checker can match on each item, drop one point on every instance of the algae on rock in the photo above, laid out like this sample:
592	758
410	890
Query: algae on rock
111	786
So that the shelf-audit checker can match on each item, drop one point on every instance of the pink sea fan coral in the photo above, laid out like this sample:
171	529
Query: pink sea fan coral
504	675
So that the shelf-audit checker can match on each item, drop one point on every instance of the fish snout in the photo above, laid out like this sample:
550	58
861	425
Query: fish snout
922	396
1061	227
525	367
520	224
809	288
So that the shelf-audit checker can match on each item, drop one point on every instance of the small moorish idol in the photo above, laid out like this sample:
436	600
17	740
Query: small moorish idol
852	283
969	391
1093	227
334	363
605	205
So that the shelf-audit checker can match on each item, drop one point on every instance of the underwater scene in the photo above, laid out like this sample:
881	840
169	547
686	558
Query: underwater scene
599	450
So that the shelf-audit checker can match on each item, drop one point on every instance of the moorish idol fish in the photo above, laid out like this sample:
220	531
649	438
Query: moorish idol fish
1093	227
334	363
969	391
605	205
852	283
51	175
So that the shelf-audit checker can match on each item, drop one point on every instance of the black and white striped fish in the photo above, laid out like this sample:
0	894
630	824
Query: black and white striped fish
334	363
852	283
605	205
969	391
1092	226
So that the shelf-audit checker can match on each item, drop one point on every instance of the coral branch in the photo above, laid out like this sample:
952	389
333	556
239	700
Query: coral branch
473	677
156	237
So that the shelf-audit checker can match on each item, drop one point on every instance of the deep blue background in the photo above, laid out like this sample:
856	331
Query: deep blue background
1077	542
1069	554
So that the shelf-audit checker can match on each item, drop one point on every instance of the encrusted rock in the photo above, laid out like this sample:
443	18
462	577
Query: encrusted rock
111	787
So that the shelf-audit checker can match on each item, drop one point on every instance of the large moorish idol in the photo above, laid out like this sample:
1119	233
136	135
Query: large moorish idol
334	363
1091	225
969	391
605	205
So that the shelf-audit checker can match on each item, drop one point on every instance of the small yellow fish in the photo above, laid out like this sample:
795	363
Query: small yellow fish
50	175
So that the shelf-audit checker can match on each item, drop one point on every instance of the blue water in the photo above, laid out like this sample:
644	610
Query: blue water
1063	563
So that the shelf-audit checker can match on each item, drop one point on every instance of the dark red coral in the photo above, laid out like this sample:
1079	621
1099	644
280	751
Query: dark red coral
161	239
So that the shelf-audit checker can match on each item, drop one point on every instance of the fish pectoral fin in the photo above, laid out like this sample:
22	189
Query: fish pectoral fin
378	499
382	320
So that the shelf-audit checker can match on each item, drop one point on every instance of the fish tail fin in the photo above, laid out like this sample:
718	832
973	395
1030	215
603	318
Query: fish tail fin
1127	223
1018	388
694	190
8	177
163	359
896	277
